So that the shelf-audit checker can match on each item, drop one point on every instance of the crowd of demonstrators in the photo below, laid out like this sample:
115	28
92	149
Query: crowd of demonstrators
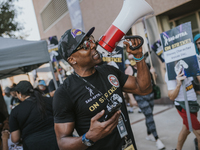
11	100
32	120
82	102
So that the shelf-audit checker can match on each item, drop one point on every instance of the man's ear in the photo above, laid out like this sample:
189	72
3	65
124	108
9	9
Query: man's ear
71	60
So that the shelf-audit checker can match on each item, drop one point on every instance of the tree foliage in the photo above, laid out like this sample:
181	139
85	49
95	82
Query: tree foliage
8	23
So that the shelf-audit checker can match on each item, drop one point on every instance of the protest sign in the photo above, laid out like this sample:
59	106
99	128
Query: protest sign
117	59
179	51
53	48
158	49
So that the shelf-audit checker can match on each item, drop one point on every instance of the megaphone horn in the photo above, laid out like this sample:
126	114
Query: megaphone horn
131	11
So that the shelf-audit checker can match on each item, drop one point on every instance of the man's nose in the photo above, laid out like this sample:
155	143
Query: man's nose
93	45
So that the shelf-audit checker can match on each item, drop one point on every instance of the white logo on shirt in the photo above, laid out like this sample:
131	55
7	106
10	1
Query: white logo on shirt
90	90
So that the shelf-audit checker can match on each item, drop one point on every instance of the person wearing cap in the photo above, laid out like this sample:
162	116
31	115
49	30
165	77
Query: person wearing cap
196	81
7	98
197	43
51	86
43	88
84	99
32	120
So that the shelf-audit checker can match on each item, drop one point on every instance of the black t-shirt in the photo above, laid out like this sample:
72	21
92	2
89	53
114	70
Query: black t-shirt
76	101
51	86
27	118
14	101
45	92
2	118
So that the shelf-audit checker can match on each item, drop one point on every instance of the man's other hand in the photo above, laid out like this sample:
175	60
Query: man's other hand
99	130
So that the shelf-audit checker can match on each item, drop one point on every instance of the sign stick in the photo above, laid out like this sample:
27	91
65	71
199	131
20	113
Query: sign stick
151	64
187	107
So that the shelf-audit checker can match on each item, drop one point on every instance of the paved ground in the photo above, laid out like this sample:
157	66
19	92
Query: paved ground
168	124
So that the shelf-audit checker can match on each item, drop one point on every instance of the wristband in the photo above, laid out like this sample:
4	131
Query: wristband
86	141
138	59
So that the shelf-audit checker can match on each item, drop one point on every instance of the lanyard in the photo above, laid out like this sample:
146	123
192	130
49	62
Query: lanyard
89	84
92	86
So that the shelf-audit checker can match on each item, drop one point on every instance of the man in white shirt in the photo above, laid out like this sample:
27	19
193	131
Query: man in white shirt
175	93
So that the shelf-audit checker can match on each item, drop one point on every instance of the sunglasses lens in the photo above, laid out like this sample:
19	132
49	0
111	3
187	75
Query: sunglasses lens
86	45
91	39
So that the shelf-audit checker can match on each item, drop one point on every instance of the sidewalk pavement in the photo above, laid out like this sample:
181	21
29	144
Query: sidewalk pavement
168	125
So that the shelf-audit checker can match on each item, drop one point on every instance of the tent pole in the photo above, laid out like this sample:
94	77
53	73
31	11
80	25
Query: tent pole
28	77
54	78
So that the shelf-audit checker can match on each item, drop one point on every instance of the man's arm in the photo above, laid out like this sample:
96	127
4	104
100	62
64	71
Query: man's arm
52	93
198	78
142	83
98	130
5	136
174	93
51	88
15	136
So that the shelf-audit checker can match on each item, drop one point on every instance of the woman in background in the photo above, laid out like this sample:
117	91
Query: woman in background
32	120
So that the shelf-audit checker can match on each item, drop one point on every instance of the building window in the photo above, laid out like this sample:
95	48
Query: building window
193	18
52	12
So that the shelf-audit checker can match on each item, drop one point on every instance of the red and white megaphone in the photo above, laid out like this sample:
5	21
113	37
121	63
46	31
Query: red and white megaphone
131	11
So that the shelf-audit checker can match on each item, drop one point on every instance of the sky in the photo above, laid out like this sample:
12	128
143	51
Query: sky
28	19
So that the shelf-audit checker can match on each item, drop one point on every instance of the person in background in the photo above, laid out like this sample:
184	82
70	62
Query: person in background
129	71
196	80
83	101
43	88
51	85
176	94
197	43
32	120
14	101
146	105
7	97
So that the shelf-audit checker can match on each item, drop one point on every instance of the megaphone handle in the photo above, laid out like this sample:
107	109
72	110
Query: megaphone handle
135	37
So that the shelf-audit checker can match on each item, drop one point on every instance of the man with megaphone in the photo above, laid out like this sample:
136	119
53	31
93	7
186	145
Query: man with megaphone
91	100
